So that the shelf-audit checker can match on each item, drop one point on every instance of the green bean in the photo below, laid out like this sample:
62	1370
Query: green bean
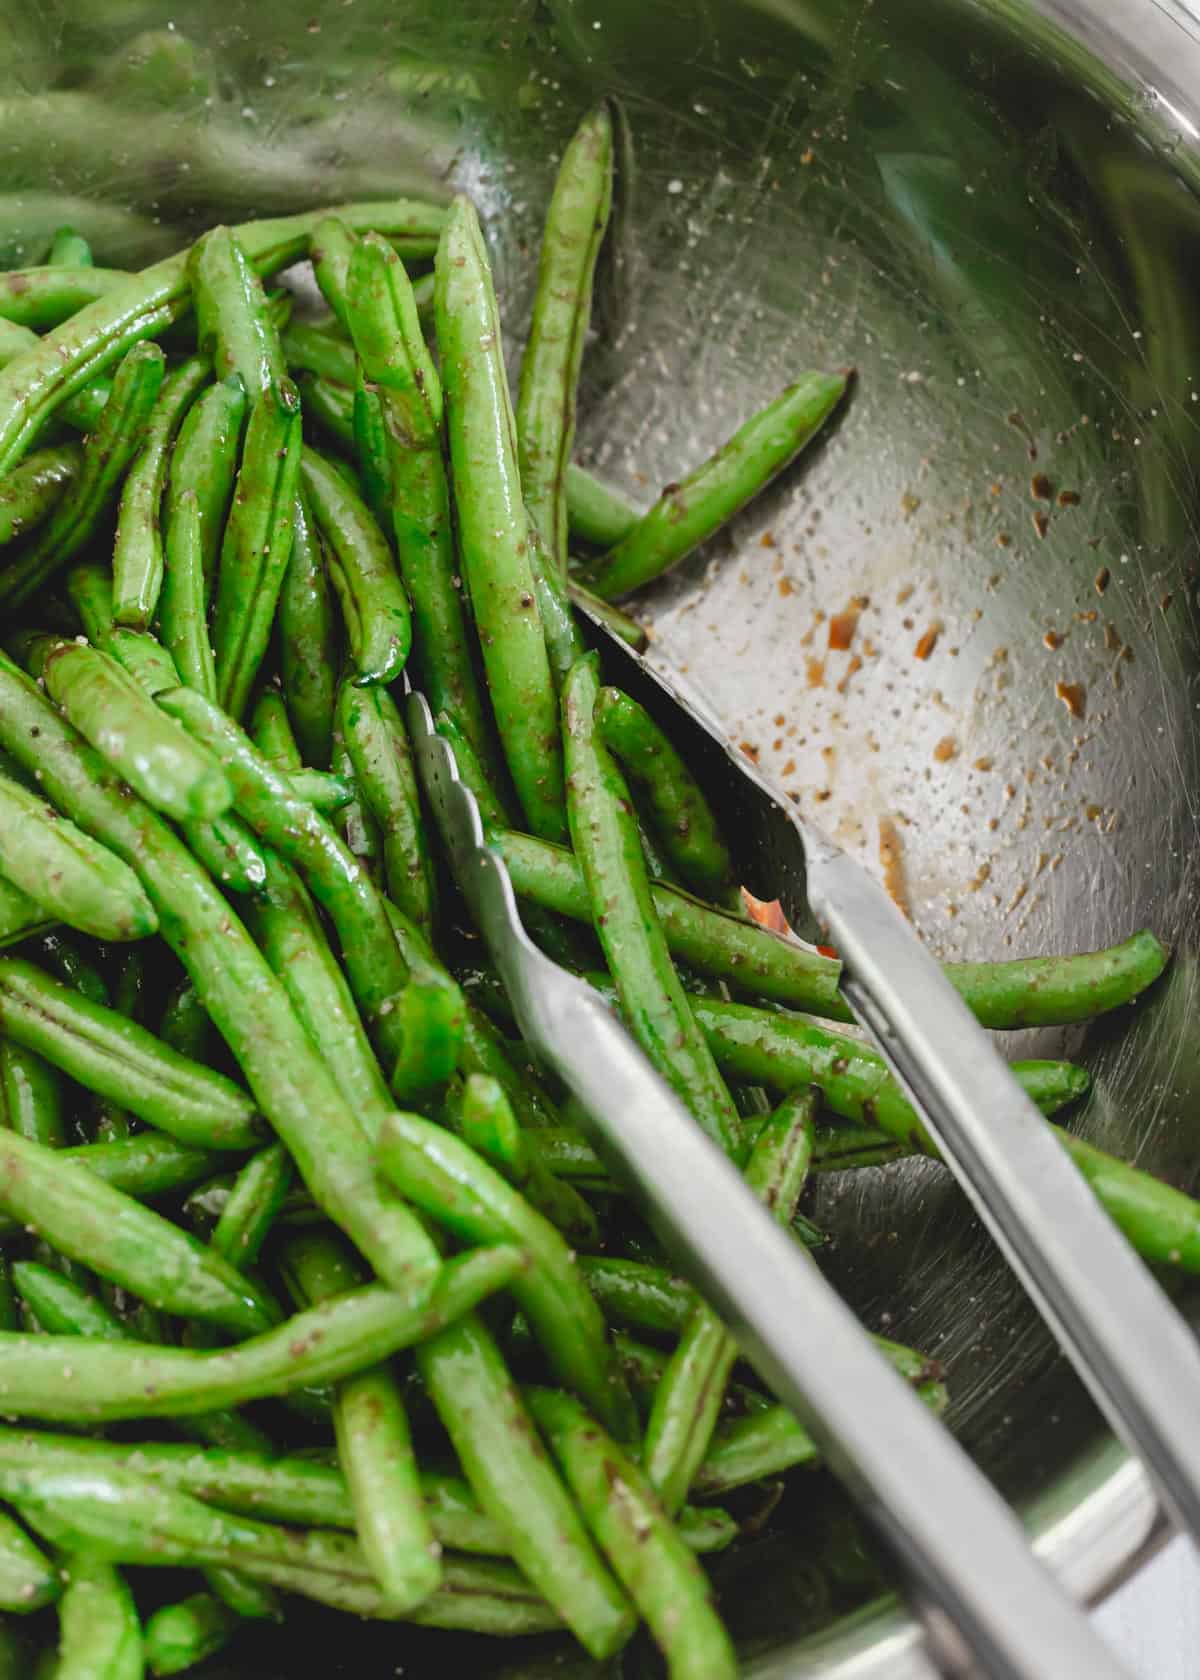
684	822
374	606
107	452
620	623
62	1307
449	1182
204	464
63	957
256	544
257	1196
89	589
331	408
489	1125
46	295
228	850
609	850
313	351
324	790
120	1060
69	249
299	1491
687	513
493	531
31	1096
783	1051
374	967
250	1599
271	732
290	1082
706	1528
28	1580
596	513
372	452
233	324
329	1341
648	1556
687	1402
513	1479
373	733
99	1635
152	753
308	641
545	411
331	247
75	880
1054	991
639	1296
185	1634
375	1449
429	1019
382	321
182	609
20	915
290	936
707	938
82	409
138	547
148	1165
185	1025
144	658
32	491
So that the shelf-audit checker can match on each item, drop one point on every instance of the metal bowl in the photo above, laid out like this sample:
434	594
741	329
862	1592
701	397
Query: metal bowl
988	208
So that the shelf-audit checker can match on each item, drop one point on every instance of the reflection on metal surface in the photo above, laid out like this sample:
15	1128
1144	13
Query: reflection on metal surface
988	207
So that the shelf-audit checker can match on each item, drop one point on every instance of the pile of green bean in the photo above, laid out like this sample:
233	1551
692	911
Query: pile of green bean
309	1282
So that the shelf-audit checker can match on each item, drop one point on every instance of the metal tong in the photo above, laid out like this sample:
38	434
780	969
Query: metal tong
981	1593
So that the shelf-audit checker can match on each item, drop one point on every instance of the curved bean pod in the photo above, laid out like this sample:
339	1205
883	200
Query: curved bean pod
204	464
374	606
258	1194
308	641
545	411
32	491
487	1122
20	915
75	880
450	1183
107	451
493	531
373	733
99	1635
329	1341
229	851
608	846
233	323
137	562
182	609
46	295
596	513
182	1635
69	249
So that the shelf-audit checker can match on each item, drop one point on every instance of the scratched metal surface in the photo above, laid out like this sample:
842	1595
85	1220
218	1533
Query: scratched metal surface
998	230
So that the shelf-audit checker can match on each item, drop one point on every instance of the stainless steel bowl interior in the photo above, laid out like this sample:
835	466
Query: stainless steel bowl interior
988	208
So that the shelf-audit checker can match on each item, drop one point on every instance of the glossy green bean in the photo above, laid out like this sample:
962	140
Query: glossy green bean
449	1182
684	822
31	492
373	453
69	249
256	544
62	1307
204	464
613	618
183	1635
689	512
44	296
229	851
308	641
258	1194
271	731
289	1081
374	606
707	938
31	1096
144	658
60	953
121	1240
596	513
152	753
429	1019
473	775
383	323
137	561
34	384
647	1554
20	916
182	611
487	1122
331	248
329	1341
1053	991
148	1165
28	1580
493	532
374	967
107	452
330	410
83	408
373	733
545	411
99	1634
118	1059
687	1401
311	350
75	880
512	1477
609	849
375	1449
300	1491
233	322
